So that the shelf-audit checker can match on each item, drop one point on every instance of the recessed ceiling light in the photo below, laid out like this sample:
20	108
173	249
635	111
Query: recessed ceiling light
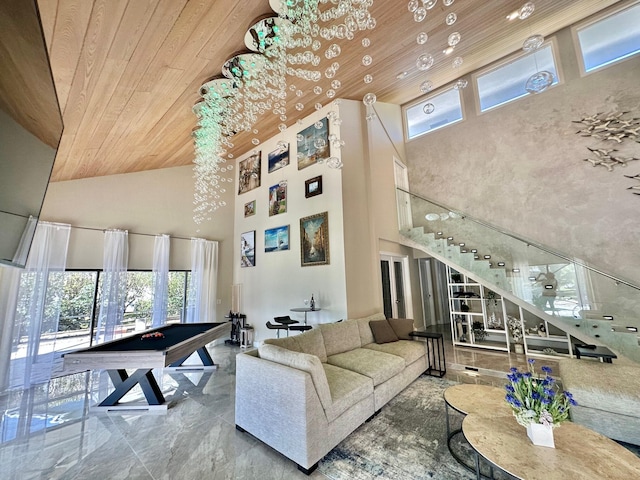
402	75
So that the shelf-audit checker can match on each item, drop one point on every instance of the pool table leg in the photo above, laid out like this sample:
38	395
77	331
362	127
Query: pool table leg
124	382
203	353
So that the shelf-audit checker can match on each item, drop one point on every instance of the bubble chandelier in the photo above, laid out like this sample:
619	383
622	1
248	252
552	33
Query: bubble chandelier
289	44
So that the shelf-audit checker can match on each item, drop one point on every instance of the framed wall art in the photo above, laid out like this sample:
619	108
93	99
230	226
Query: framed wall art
313	186
277	199
249	173
313	144
314	240
276	239
279	157
250	208
248	249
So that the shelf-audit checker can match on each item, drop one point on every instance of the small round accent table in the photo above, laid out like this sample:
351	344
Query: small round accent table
305	310
481	400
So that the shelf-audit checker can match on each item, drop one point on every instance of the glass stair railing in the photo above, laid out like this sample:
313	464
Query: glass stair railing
581	300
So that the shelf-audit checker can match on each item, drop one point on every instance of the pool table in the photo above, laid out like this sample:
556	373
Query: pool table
167	346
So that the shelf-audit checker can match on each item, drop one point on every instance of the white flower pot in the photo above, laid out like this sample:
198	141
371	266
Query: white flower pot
541	435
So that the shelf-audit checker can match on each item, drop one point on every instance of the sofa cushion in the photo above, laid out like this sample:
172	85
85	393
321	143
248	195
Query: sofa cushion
290	343
378	366
603	386
382	331
311	342
340	337
347	388
302	361
366	335
403	327
407	349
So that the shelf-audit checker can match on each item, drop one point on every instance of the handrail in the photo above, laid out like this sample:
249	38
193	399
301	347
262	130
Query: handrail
523	240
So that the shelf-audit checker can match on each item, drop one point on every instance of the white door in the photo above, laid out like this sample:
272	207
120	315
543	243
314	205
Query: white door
396	296
426	287
403	199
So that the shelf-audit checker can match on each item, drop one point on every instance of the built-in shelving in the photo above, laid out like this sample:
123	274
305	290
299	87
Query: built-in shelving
480	318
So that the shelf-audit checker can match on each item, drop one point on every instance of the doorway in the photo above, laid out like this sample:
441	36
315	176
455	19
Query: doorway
403	199
434	291
396	296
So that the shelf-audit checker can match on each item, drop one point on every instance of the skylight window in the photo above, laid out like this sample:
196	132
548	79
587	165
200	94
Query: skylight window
610	39
446	109
506	82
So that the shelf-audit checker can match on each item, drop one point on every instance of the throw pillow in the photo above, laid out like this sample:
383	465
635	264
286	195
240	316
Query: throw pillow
402	327
382	331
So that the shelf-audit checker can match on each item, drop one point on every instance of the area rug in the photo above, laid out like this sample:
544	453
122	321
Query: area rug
405	441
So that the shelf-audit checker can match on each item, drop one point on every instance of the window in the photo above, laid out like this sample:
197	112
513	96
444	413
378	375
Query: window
76	292
447	109
138	305
610	39
506	82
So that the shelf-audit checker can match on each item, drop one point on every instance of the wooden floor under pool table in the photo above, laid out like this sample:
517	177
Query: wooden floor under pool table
167	346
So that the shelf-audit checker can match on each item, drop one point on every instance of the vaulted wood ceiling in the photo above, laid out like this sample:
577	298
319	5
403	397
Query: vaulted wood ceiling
127	72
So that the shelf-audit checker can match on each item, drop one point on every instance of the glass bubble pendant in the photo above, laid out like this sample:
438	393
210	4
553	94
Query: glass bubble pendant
369	99
539	82
460	84
429	4
451	19
424	61
532	43
426	86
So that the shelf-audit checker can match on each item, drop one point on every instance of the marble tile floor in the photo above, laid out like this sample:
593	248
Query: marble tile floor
49	432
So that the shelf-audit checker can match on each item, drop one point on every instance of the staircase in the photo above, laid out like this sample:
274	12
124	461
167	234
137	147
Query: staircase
590	305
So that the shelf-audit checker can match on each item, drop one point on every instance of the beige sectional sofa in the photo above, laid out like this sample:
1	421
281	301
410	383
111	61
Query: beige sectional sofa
302	395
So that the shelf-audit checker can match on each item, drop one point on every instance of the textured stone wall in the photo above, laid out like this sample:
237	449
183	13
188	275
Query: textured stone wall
520	167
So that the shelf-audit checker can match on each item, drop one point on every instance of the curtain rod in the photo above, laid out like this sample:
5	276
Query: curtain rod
132	233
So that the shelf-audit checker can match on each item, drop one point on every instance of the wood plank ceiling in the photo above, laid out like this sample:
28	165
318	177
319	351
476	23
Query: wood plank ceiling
127	72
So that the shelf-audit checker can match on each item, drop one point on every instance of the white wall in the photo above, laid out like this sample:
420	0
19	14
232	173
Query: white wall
151	202
278	282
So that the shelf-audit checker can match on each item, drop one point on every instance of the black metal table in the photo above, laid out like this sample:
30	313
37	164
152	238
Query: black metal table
599	352
435	352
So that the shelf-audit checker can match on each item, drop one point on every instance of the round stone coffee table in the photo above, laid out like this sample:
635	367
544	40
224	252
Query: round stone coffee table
580	453
475	399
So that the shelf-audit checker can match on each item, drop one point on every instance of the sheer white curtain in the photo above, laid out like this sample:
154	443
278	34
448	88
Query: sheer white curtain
160	280
37	307
203	283
9	284
114	284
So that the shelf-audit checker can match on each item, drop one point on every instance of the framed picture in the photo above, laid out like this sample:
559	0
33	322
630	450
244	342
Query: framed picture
277	199
249	173
248	249
314	240
279	157
313	186
250	208
276	239
313	144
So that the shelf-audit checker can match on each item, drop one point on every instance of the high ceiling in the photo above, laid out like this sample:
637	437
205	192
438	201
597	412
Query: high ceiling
127	72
